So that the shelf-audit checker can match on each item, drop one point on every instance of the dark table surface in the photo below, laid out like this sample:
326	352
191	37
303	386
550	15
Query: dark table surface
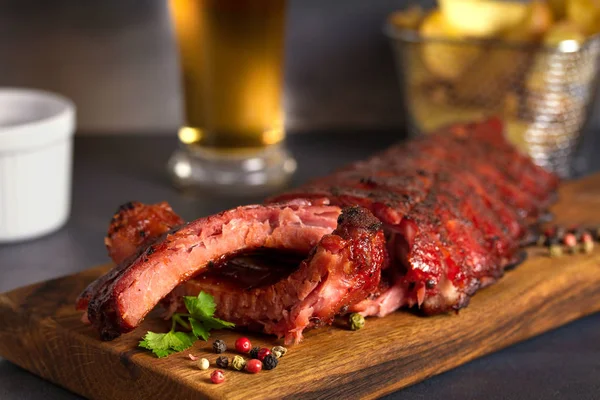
110	170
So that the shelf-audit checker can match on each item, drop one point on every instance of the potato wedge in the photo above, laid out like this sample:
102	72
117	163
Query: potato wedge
501	69
482	18
450	57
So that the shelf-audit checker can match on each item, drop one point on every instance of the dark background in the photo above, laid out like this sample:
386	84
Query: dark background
116	59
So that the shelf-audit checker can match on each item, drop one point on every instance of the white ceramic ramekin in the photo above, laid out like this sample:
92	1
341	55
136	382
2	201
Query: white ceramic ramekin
36	136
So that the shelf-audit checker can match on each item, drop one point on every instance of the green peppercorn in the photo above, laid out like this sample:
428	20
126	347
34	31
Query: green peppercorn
555	250
587	243
270	362
356	321
219	346
222	362
254	352
238	363
587	247
279	351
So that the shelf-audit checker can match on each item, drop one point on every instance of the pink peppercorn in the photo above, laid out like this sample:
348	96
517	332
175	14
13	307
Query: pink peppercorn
262	353
570	240
217	376
243	345
254	366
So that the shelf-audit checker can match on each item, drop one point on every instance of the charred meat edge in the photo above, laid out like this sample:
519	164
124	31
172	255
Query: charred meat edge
133	227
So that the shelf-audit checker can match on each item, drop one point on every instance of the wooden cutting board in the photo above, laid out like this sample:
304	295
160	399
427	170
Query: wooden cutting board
41	332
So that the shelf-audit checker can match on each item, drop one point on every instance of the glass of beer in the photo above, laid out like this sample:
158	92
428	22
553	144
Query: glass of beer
231	59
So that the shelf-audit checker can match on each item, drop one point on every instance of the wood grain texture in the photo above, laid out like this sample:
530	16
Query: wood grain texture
41	332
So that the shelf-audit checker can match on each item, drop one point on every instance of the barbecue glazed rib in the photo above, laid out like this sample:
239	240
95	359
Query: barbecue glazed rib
454	205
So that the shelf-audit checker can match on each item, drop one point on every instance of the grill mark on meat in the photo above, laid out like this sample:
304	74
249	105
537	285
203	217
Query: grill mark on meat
381	196
455	231
531	177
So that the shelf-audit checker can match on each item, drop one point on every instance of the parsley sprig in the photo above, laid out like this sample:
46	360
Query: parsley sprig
199	320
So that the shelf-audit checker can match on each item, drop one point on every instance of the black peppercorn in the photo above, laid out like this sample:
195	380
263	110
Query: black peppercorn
596	233
254	352
578	232
554	233
553	241
219	346
270	362
222	362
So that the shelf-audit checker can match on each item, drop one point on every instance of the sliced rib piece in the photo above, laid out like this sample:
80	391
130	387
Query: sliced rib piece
130	291
342	270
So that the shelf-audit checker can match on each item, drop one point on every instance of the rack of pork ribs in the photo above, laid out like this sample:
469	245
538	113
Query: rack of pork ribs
423	225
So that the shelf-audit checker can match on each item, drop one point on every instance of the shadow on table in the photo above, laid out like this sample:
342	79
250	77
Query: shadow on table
17	383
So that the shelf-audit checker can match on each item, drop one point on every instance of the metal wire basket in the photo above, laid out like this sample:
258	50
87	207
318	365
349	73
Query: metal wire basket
543	93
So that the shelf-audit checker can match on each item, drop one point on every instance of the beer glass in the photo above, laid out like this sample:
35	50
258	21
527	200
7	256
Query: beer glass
231	61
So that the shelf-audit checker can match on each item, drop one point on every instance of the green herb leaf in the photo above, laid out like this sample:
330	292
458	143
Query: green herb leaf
198	329
164	344
201	321
202	309
201	306
216	323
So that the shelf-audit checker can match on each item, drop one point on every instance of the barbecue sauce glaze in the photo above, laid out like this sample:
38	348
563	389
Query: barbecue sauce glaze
262	267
